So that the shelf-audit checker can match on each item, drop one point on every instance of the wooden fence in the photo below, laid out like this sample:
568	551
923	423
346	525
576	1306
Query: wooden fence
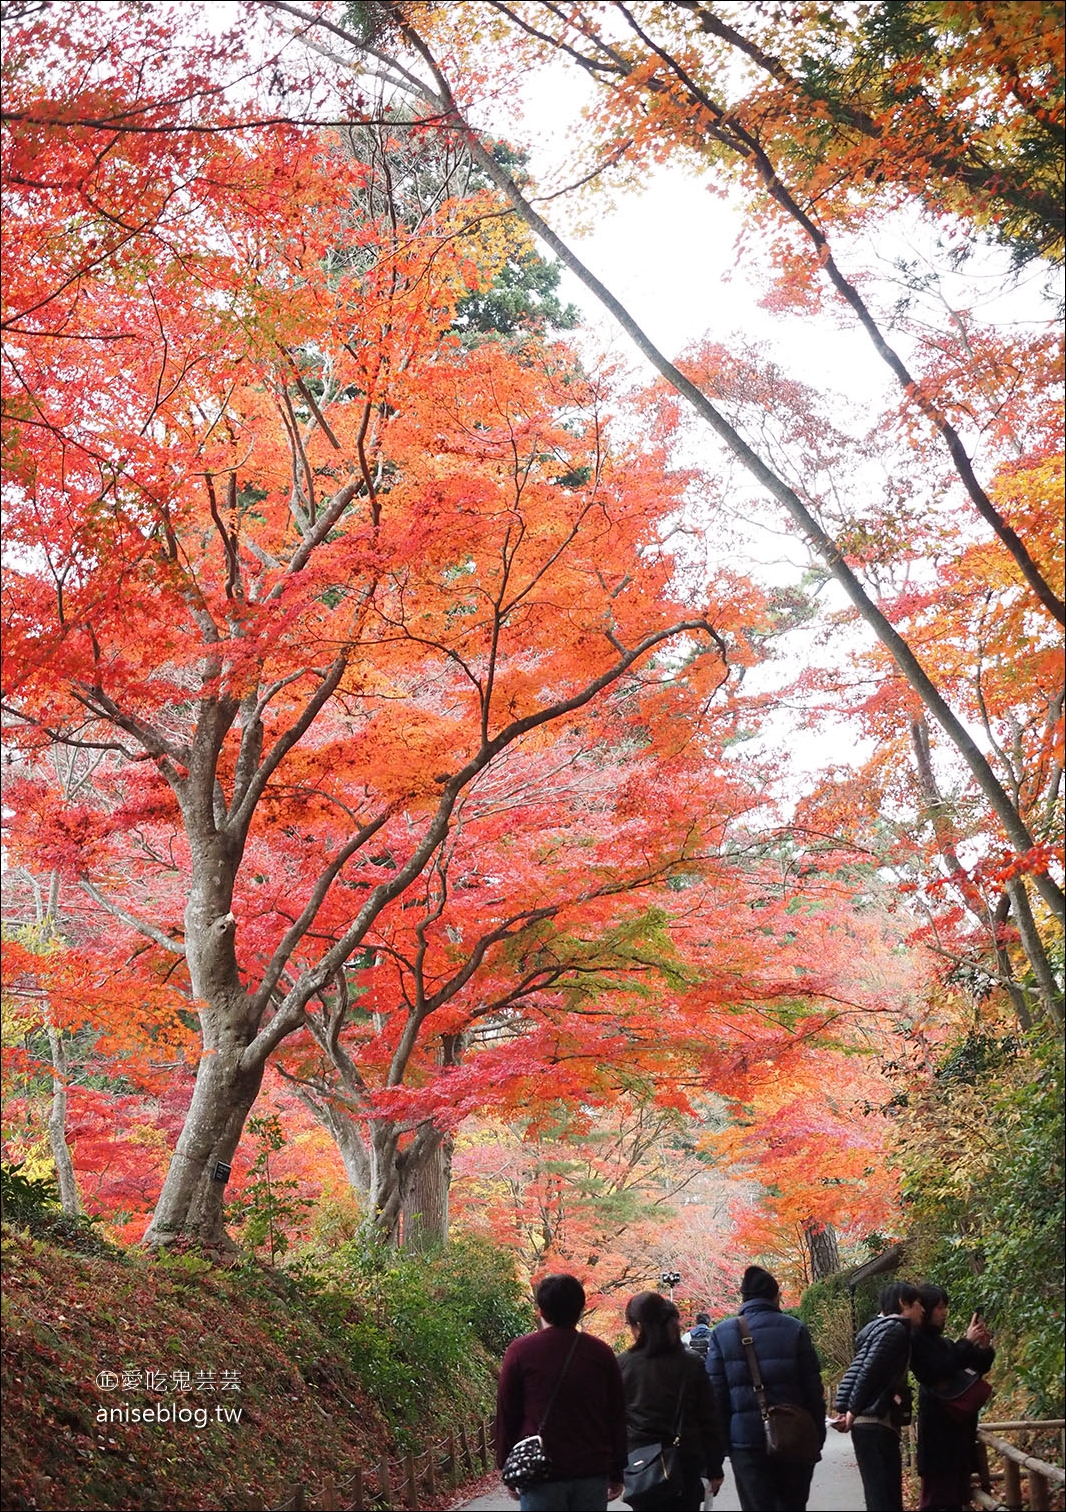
417	1479
1002	1489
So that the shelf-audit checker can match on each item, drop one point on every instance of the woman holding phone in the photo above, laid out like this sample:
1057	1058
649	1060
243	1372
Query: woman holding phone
947	1372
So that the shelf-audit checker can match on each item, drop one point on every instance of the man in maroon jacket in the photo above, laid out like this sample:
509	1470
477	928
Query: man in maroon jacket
585	1432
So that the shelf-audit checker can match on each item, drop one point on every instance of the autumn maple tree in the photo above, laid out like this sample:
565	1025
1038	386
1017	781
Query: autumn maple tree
301	565
411	757
803	109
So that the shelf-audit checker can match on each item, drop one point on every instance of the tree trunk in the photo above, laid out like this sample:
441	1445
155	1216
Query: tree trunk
346	1135
425	1208
1006	970
57	1124
1047	988
395	1170
388	1181
57	1115
822	1248
191	1204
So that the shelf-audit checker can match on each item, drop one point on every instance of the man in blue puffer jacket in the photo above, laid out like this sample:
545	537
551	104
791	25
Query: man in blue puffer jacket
790	1372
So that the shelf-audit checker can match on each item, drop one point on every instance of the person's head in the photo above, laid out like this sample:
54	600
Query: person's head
560	1300
902	1299
934	1301
758	1283
654	1322
704	1318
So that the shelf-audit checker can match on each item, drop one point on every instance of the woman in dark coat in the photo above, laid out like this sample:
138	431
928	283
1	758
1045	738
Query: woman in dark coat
947	1445
659	1375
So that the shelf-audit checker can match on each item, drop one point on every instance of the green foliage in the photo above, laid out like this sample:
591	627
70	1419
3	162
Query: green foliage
412	1321
523	297
908	55
983	1178
267	1207
32	1202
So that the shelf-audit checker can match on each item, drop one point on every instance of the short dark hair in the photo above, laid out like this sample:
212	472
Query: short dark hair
897	1295
757	1282
560	1300
658	1322
703	1318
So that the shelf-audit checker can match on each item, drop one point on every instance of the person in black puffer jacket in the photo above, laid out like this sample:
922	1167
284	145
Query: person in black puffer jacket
660	1376
874	1399
788	1364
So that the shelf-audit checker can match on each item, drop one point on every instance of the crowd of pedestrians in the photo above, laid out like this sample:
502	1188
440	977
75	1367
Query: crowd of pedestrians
578	1426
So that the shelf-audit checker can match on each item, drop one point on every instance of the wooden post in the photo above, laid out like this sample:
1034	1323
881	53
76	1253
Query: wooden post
329	1495
384	1483
1012	1484
431	1473
1039	1500
358	1497
453	1468
412	1481
468	1458
483	1434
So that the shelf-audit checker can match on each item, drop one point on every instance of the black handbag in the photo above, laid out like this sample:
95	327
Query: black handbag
528	1463
791	1433
653	1475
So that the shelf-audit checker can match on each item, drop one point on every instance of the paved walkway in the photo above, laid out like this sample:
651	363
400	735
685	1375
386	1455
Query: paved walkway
836	1486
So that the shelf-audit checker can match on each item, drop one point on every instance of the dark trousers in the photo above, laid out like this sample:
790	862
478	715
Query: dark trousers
877	1452
766	1485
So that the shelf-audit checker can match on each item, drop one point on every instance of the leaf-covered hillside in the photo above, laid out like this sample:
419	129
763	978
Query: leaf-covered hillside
288	1382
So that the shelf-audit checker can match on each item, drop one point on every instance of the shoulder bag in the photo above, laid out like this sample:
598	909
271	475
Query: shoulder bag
791	1432
528	1463
653	1476
963	1396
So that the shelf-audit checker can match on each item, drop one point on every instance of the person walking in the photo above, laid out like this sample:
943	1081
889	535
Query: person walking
873	1398
698	1337
566	1386
950	1394
668	1396
790	1373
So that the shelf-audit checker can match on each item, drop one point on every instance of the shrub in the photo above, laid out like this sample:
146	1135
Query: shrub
834	1315
421	1324
32	1202
983	1178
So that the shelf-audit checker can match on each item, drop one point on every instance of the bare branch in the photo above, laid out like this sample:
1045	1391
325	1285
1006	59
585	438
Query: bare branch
142	926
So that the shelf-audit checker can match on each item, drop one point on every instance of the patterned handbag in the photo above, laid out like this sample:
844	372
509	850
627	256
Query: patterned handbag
527	1464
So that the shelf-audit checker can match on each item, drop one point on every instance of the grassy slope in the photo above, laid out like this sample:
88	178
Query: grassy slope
304	1410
